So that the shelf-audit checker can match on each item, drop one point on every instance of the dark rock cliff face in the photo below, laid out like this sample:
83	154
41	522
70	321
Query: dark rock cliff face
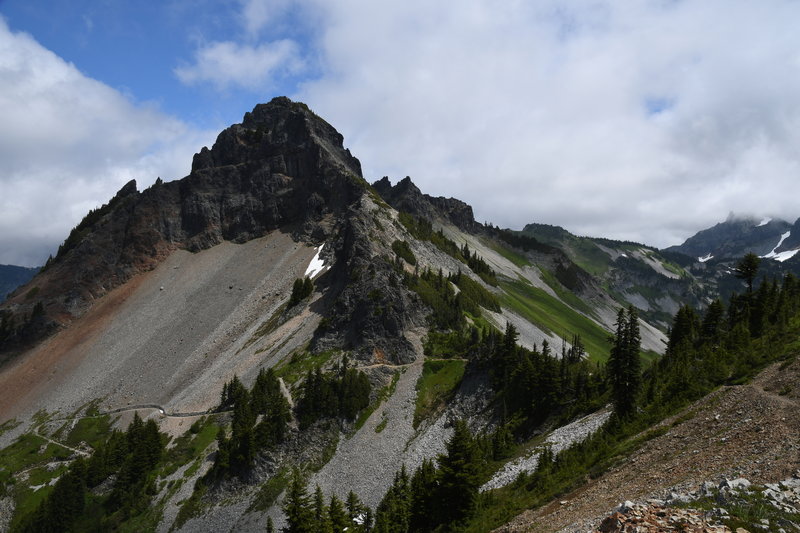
282	167
370	308
405	196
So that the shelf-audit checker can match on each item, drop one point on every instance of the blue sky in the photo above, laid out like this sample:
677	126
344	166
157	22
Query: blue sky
642	120
136	47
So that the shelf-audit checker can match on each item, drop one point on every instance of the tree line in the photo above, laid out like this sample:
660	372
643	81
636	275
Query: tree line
128	458
261	415
249	435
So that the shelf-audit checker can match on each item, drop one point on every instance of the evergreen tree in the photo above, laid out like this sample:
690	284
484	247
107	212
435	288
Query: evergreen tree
297	506
747	269
394	511
624	365
424	505
359	516
259	395
231	391
243	447
322	521
301	289
267	399
685	329
222	462
59	511
458	475
711	329
337	516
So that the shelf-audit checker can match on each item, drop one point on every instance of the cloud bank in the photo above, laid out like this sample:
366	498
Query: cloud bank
637	120
67	144
641	120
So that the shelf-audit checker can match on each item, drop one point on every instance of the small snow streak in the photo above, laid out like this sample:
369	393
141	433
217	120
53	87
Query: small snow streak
705	258
764	222
317	265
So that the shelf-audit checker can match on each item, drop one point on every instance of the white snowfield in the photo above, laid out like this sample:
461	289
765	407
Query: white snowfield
705	258
764	221
781	256
317	265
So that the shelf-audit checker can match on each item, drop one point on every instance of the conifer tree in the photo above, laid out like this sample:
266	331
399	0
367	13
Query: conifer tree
424	505
222	463
322	521
243	447
359	516
458	475
713	322
354	506
297	506
624	366
685	329
747	268
337	516
394	511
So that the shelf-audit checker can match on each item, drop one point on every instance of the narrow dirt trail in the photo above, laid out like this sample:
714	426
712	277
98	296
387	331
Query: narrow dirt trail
417	362
145	406
162	411
57	443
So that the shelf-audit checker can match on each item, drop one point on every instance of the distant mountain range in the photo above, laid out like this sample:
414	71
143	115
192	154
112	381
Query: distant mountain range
12	276
769	238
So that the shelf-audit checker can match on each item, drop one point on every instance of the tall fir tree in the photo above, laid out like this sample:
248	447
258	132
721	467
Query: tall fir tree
624	364
297	506
458	475
747	269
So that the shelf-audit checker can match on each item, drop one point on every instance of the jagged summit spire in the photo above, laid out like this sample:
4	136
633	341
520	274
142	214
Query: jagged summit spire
274	128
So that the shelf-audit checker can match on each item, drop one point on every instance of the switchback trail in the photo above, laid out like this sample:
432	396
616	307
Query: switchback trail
65	446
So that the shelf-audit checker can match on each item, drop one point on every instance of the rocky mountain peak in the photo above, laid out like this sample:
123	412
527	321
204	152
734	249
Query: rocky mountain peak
735	237
283	167
406	196
126	190
276	128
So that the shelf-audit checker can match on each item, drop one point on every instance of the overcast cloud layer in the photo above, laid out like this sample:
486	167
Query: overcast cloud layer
641	120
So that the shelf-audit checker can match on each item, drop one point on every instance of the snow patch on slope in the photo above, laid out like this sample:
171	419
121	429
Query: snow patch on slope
317	265
764	222
781	256
705	258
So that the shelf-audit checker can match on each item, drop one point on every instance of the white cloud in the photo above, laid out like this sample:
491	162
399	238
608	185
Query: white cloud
645	120
637	120
67	144
257	14
227	63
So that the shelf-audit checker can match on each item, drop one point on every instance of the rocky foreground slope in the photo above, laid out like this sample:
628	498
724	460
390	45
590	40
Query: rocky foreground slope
743	431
